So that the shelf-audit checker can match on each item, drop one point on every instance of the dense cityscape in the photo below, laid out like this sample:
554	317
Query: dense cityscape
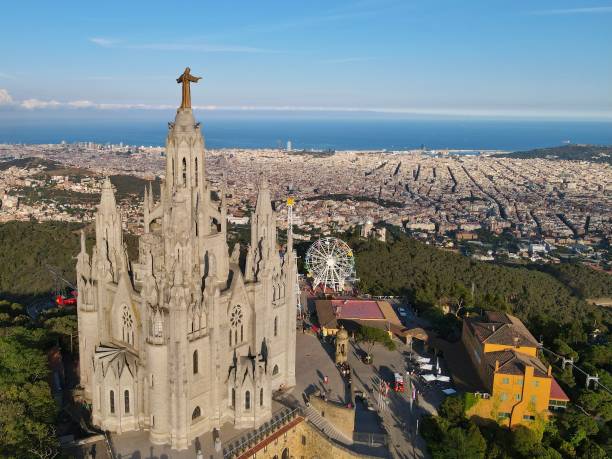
445	197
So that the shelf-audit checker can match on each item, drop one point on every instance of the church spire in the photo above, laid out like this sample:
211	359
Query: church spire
264	201
107	200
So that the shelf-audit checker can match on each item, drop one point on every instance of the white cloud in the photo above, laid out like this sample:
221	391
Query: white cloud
5	97
81	104
584	10
346	60
37	104
32	104
178	46
100	41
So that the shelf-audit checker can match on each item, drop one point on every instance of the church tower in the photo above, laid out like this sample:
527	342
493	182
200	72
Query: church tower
180	340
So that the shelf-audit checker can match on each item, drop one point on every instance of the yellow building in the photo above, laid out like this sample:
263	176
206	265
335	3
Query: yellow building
521	388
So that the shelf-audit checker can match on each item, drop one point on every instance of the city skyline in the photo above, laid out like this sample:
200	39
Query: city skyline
524	60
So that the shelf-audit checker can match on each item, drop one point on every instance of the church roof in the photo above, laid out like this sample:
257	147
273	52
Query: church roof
116	357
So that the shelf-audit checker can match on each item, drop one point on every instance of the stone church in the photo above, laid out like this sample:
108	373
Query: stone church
186	337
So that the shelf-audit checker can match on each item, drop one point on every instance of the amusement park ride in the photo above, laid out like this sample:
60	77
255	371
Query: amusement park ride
330	264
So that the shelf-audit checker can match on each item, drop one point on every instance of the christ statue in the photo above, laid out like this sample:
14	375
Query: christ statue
187	78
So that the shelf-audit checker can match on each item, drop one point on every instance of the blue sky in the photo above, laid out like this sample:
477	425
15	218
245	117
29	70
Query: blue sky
549	59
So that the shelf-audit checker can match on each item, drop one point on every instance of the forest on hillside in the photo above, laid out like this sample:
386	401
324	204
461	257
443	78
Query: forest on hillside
593	153
551	302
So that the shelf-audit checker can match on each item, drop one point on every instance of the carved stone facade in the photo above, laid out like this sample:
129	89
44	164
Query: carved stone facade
182	339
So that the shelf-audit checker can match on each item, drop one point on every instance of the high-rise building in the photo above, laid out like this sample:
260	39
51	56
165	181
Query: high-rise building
182	339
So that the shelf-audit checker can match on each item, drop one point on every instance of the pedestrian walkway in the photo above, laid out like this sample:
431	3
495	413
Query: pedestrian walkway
324	426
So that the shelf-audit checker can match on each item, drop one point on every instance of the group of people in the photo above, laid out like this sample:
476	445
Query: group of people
345	371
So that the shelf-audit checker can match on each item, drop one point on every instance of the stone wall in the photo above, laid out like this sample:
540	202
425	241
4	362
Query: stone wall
341	417
299	440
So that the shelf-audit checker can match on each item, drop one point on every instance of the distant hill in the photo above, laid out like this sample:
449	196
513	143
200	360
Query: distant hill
593	153
28	163
49	167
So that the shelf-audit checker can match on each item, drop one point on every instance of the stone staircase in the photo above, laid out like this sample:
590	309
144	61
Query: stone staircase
328	429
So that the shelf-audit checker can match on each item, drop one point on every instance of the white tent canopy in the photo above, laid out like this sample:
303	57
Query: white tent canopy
426	367
429	377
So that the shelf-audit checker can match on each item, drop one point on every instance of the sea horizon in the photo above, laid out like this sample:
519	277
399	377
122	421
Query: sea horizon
311	133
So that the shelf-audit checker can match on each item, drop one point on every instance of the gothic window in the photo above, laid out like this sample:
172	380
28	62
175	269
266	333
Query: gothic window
127	328
285	454
233	398
126	400
158	325
196	413
112	401
195	362
236	323
275	370
247	400
230	338
276	326
261	397
184	172
196	172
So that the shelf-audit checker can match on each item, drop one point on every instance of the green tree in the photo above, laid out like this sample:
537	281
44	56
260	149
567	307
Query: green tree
453	409
524	441
369	336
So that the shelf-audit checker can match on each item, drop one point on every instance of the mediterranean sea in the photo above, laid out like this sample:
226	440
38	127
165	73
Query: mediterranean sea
312	132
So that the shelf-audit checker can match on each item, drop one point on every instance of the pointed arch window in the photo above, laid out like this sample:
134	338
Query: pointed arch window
275	370
158	325
127	326
195	362
276	326
233	398
126	400
184	172
236	323
112	401
196	172
247	400
261	397
197	412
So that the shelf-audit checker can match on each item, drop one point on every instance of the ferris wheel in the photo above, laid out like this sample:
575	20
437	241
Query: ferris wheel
330	263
